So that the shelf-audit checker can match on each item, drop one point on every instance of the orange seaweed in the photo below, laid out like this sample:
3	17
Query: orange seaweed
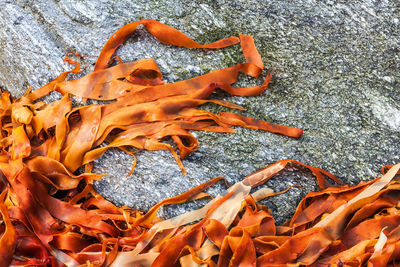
51	216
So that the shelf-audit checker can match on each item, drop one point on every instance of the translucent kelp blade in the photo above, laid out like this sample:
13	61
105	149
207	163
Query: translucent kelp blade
265	174
110	83
9	236
311	243
162	32
369	191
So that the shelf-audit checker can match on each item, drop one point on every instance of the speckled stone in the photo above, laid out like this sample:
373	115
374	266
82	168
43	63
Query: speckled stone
337	77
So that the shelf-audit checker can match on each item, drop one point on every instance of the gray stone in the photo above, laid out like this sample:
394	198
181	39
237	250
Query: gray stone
337	78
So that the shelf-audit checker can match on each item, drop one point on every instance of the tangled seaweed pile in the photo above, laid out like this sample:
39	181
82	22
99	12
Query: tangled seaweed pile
51	215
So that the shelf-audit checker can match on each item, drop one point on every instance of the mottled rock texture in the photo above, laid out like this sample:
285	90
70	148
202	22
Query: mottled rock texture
337	78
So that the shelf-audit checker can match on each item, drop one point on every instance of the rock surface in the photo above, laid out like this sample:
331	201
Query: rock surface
338	79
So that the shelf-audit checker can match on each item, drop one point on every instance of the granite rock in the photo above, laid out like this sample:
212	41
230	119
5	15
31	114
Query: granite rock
338	74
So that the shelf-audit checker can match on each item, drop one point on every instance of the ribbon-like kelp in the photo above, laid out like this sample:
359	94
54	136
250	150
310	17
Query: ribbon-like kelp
145	110
51	215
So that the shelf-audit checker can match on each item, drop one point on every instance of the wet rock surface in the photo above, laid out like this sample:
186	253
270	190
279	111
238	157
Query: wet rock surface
338	74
